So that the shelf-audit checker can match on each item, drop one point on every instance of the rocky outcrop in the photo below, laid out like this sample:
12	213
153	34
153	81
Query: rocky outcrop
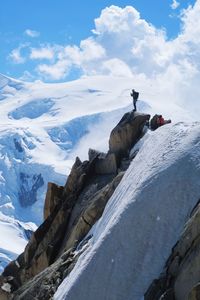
105	162
53	196
181	276
126	133
69	213
91	213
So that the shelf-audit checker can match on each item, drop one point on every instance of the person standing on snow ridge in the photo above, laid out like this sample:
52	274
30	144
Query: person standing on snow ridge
135	96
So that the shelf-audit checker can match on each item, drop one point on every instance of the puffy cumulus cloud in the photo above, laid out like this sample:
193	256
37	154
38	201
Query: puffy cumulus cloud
56	71
42	53
121	40
124	44
114	19
84	57
116	67
136	47
32	33
127	37
191	24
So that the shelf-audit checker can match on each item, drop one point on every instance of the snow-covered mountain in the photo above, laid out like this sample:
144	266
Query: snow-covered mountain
42	128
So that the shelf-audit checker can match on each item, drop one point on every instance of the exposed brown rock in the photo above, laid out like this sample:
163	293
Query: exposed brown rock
195	293
53	196
92	213
105	163
126	133
182	270
44	244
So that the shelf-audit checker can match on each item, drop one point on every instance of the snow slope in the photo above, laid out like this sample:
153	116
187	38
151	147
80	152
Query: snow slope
142	220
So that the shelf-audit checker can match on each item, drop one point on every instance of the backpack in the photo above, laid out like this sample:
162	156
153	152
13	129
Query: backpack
153	123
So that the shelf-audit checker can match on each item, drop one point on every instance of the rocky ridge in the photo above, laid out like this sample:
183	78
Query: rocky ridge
69	213
180	279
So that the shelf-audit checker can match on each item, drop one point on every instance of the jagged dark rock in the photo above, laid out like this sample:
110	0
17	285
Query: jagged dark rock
105	163
182	273
127	132
91	213
53	196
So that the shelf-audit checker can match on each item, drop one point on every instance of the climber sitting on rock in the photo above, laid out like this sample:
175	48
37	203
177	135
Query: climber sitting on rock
158	121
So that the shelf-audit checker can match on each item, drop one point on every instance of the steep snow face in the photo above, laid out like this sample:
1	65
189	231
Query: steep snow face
14	237
142	220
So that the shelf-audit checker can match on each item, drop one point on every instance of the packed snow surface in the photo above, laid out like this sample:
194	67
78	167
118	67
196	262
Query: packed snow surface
143	219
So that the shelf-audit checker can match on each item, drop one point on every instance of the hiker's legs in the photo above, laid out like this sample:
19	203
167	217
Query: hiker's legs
134	104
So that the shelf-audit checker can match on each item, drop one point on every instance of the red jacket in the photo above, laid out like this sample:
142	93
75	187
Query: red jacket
160	121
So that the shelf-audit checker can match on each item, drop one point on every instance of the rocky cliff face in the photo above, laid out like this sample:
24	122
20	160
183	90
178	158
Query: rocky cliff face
180	279
69	213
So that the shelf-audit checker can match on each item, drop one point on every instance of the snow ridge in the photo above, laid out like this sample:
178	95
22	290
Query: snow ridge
142	220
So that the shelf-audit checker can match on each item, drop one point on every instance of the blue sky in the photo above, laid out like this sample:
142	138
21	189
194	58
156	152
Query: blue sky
37	24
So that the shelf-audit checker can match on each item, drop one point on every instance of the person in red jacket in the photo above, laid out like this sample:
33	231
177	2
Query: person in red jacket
158	121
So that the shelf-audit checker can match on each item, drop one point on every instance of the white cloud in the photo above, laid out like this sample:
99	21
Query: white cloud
175	4
120	36
84	57
32	33
56	71
42	53
16	55
124	44
116	67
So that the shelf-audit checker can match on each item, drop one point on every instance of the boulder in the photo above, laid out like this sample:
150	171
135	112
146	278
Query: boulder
127	132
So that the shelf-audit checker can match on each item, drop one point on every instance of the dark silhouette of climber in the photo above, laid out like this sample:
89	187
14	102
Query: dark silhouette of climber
135	96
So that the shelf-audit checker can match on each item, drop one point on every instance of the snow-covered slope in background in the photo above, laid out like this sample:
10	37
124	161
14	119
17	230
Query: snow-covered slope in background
143	219
44	126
